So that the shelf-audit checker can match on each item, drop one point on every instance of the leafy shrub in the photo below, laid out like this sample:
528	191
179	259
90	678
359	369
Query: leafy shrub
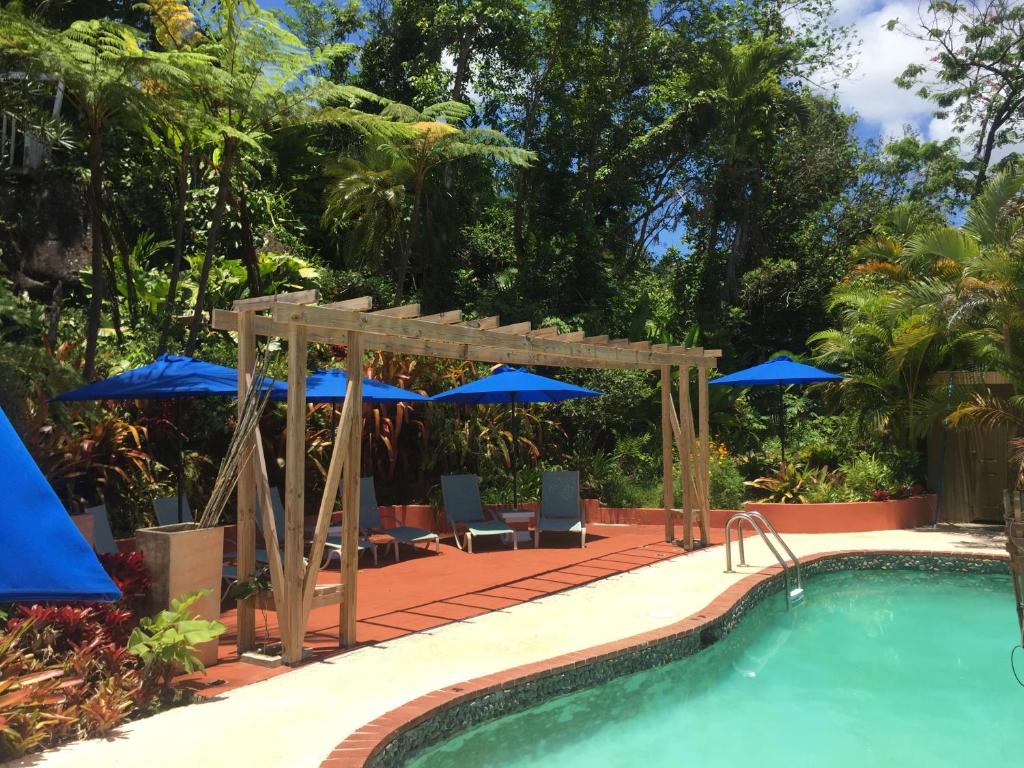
727	488
167	641
72	676
791	484
865	474
69	671
129	574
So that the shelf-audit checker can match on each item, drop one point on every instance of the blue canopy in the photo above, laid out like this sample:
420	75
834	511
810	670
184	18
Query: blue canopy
168	376
328	386
513	385
778	370
44	557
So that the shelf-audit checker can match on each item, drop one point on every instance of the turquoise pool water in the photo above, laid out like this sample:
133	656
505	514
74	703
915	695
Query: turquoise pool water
876	668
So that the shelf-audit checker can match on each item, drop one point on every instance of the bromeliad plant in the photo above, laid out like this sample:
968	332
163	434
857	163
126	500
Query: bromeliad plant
792	484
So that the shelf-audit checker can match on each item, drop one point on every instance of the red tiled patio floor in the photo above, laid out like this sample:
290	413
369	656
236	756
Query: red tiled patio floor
425	591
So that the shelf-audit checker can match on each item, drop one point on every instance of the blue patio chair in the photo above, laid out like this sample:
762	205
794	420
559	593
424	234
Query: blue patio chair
370	522
103	537
560	508
166	510
465	511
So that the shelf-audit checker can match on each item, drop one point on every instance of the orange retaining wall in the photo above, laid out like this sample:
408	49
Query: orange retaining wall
848	517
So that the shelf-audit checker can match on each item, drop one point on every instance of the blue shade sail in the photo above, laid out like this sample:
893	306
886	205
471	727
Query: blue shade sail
169	376
779	370
43	557
513	385
328	386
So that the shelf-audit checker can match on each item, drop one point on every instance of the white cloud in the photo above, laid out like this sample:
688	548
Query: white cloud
883	55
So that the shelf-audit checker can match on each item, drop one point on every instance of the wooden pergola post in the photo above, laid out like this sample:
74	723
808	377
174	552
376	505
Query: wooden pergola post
704	456
295	496
685	452
350	493
403	330
245	544
668	483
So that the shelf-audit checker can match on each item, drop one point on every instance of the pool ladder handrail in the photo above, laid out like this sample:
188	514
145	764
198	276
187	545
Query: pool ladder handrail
763	526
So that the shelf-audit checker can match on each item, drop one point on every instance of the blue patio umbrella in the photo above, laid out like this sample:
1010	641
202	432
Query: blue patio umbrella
513	385
778	371
45	558
328	386
166	378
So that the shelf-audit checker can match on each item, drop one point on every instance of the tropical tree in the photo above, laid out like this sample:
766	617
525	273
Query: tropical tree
372	197
922	298
263	79
976	76
109	76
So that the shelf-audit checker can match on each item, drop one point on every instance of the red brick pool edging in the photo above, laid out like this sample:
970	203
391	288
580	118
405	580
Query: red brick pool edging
360	747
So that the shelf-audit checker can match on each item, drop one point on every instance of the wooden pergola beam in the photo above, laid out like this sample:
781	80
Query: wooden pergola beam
360	304
514	328
336	320
546	331
444	318
483	323
226	320
404	310
260	303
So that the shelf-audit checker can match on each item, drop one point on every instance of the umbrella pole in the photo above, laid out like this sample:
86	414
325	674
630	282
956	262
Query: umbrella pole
515	456
181	457
782	422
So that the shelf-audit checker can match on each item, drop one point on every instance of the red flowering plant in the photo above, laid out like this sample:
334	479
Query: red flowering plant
129	573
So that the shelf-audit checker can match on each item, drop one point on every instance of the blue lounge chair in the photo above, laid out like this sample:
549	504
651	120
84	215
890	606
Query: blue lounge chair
103	537
560	507
370	522
465	511
166	510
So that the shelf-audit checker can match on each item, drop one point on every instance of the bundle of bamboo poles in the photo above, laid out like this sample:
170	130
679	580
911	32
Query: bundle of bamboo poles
240	446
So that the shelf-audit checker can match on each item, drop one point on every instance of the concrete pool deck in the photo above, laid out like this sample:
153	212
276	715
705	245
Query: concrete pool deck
297	719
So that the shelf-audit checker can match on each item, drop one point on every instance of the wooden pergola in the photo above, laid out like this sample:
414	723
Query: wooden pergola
298	319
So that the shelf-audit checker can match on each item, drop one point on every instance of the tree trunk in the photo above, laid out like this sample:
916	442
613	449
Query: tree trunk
115	303
92	325
212	240
462	64
56	302
249	258
170	303
403	263
131	298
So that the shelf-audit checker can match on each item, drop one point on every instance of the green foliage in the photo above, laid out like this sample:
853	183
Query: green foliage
976	75
168	640
727	489
791	484
865	474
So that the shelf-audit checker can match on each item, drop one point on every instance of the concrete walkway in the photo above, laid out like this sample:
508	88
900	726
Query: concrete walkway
296	719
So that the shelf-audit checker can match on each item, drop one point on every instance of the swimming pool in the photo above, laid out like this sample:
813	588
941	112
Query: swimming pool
883	668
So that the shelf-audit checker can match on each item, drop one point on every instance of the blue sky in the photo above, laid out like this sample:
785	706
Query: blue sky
882	55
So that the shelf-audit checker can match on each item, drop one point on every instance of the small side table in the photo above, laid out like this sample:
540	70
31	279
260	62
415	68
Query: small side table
516	518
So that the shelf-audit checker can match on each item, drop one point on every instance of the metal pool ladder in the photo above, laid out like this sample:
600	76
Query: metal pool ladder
760	523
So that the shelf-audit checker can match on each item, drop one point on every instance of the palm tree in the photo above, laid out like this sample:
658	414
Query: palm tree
922	298
364	195
368	205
